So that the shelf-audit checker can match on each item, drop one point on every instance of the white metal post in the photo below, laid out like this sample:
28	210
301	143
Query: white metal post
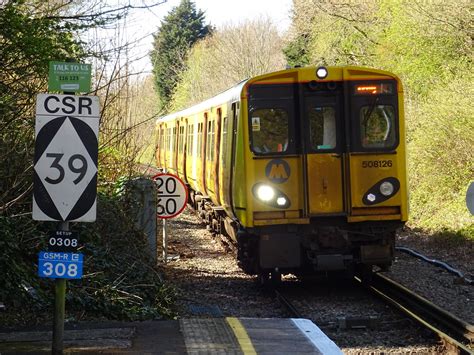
165	242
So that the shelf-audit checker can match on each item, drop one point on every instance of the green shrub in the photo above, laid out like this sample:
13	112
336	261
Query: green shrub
120	280
441	156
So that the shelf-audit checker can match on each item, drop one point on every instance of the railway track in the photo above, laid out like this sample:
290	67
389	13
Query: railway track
455	333
286	303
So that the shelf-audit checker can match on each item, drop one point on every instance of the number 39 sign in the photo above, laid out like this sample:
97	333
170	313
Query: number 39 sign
65	166
172	195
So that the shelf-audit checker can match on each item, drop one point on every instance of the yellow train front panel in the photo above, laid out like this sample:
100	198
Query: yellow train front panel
340	139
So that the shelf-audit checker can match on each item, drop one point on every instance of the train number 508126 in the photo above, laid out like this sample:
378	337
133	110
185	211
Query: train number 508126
376	164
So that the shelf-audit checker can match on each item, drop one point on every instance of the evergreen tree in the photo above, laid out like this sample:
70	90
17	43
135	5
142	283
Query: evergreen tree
296	52
179	30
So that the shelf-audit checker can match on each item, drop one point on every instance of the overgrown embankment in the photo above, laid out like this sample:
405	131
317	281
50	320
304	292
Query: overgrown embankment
120	281
429	45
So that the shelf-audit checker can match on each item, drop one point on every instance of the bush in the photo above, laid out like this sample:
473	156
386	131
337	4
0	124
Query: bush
441	158
119	280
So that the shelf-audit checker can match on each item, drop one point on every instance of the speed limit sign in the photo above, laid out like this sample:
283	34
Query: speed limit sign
172	195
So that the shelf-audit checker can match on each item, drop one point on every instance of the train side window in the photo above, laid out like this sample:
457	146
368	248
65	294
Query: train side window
269	130
199	147
162	139
213	140
189	141
159	138
181	140
322	126
178	146
210	141
173	140
377	126
224	141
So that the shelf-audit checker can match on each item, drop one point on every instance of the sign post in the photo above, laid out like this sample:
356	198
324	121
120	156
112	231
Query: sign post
165	242
59	308
65	175
171	201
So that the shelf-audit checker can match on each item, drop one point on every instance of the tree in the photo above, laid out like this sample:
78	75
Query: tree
179	30
32	33
27	42
429	46
231	54
296	51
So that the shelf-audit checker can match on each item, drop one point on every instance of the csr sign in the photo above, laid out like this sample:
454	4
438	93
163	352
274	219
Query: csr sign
68	105
65	179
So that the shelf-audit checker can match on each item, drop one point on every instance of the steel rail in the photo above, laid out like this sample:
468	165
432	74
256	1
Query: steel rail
287	304
447	326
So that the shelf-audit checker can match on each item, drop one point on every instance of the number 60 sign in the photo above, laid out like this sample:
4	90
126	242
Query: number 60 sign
172	195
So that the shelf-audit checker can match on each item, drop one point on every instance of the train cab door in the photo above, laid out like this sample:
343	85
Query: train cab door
322	127
210	167
206	171
216	155
376	170
180	155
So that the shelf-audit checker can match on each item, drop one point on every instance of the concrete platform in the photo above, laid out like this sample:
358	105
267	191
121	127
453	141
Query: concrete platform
186	336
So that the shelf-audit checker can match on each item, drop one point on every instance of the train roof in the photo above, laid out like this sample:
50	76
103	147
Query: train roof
229	95
309	73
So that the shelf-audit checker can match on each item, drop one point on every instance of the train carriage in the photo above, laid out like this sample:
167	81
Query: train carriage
303	169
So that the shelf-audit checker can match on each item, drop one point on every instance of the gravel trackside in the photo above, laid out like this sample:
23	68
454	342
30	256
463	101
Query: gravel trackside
210	284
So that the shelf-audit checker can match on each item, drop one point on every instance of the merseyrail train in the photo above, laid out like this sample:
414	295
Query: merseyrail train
303	169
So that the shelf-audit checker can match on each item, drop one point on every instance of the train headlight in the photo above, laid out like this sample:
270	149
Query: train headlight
281	201
381	191
265	193
386	188
321	72
270	196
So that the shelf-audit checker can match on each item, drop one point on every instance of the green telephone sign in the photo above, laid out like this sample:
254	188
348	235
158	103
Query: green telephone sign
66	76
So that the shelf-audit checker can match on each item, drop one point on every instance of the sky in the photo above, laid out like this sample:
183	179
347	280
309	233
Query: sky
141	23
219	12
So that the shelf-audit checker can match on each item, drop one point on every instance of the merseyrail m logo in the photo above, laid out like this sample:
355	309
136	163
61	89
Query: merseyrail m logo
277	171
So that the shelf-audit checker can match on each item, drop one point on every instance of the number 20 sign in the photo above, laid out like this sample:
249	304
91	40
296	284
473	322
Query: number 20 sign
172	195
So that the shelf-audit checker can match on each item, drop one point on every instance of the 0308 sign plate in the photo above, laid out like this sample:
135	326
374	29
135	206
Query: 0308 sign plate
63	241
60	265
172	195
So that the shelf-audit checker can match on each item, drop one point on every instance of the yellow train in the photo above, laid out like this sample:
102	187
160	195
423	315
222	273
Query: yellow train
303	169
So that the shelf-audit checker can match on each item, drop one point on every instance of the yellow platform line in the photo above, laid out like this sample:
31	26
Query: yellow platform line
241	335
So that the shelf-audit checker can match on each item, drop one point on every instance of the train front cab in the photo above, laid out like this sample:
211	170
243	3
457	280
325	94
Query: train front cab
326	170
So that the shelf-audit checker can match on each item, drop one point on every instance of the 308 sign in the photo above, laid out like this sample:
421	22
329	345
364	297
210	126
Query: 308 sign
60	265
172	195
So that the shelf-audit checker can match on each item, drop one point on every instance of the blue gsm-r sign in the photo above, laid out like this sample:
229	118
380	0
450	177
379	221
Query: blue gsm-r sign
60	265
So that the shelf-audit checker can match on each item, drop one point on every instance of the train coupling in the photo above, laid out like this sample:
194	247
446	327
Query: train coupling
376	254
330	262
